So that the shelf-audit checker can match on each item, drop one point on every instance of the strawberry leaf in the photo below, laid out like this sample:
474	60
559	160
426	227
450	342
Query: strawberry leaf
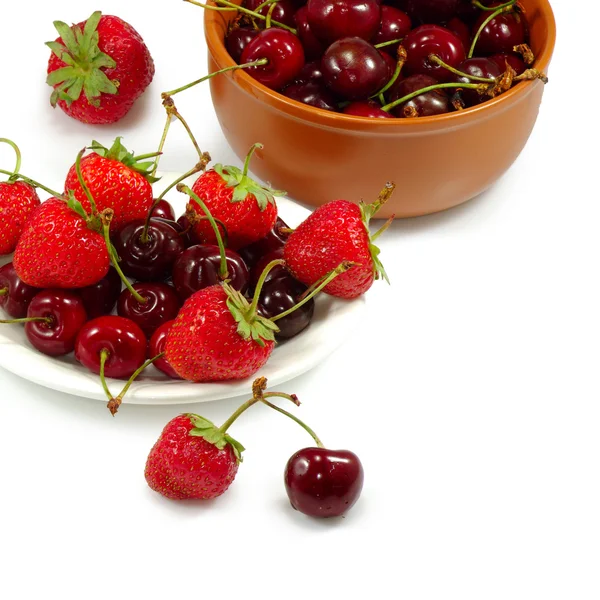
213	435
120	153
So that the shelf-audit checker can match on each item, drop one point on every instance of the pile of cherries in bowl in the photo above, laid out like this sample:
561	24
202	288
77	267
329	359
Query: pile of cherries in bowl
383	58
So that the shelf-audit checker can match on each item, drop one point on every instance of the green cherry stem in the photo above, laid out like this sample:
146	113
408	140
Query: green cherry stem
390	43
402	56
3	291
270	15
480	6
15	174
161	145
82	182
261	283
505	8
265	3
46	320
293	417
436	59
438	86
104	354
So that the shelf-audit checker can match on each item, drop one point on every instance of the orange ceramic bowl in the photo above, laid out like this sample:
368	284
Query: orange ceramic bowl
317	156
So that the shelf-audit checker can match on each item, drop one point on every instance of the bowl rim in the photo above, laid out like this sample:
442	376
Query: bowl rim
304	112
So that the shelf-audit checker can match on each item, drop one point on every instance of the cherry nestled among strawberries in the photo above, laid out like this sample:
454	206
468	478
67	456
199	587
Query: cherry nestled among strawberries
15	295
157	344
100	298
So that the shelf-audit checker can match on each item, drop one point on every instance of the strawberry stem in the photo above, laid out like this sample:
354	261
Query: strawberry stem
15	174
438	86
261	282
436	59
311	293
82	182
504	8
254	147
383	228
46	320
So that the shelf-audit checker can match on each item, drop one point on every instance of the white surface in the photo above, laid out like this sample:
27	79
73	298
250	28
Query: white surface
331	326
470	391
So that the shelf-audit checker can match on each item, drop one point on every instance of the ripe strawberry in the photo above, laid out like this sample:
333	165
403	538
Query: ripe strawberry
218	336
58	249
17	200
338	231
246	208
98	69
116	180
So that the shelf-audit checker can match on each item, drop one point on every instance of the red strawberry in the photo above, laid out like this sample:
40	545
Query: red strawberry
337	231
98	69
116	180
58	249
247	209
17	200
218	336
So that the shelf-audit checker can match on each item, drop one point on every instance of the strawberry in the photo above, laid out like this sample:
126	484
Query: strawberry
59	249
246	208
116	179
338	231
98	69
17	200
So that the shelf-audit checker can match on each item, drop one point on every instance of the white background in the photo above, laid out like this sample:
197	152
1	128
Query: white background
470	393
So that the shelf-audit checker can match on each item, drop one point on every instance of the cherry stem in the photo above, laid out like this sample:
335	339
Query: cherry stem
390	43
46	320
104	354
505	8
294	418
3	291
480	6
437	86
82	182
217	8
311	293
441	63
106	218
402	56
270	15
15	174
172	109
265	3
223	270
161	145
114	403
254	63
261	283
255	147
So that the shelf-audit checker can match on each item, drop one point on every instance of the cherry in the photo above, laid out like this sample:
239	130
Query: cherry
313	94
468	12
501	34
432	11
368	108
282	13
237	39
284	54
117	341
313	47
354	69
158	342
331	20
311	71
275	239
162	305
163	210
199	267
389	61
59	315
513	60
187	231
432	39
395	24
431	103
15	295
149	259
274	273
99	299
323	483
461	30
477	67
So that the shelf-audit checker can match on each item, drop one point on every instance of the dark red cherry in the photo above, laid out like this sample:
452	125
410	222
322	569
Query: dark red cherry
425	105
332	20
368	108
311	71
149	259
395	24
275	273
275	239
501	34
282	13
162	305
158	342
513	60
477	67
237	39
432	11
390	62
65	316
123	339
164	210
100	299
354	69
15	295
199	267
188	233
461	30
284	52
432	39
468	12
313	46
323	483
311	93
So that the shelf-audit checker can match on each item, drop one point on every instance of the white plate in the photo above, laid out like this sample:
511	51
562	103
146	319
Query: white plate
333	322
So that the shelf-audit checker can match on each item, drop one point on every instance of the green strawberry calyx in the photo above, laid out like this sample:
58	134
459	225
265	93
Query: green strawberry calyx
214	435
119	152
367	212
243	186
85	64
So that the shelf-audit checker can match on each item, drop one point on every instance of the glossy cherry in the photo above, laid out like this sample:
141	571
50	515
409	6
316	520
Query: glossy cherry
151	258
311	71
323	483
65	316
15	295
461	30
199	267
123	340
395	24
432	11
313	46
312	93
369	108
275	239
432	39
425	105
501	34
282	13
100	299
157	345
275	273
164	210
389	61
477	67
284	54
331	20
237	39
513	60
162	305
354	69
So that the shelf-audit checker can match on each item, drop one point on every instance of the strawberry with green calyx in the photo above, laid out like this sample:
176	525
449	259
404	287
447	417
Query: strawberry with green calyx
247	209
98	68
338	231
